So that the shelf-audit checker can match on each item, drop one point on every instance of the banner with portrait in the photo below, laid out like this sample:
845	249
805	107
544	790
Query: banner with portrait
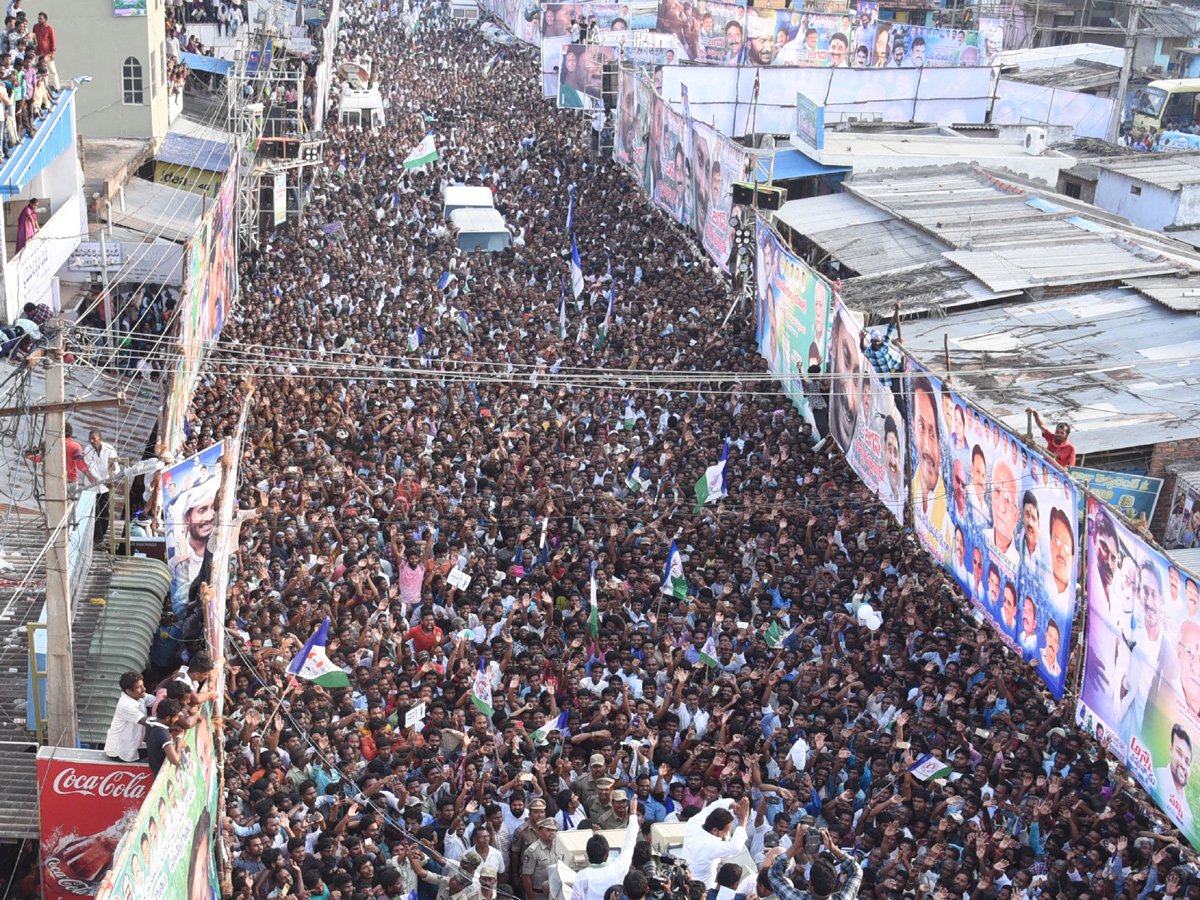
673	186
644	101
792	321
1183	525
557	17
865	417
1000	517
1140	696
522	17
189	492
712	33
581	75
717	162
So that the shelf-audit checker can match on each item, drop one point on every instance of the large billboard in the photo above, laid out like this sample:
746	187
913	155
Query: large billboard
209	291
522	17
581	75
190	512
717	163
1140	695
673	163
792	321
865	419
1183	525
712	33
1001	518
86	803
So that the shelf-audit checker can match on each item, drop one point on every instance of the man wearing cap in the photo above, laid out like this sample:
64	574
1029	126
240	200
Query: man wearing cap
487	882
525	834
602	800
587	786
616	813
537	861
458	884
195	528
760	38
593	882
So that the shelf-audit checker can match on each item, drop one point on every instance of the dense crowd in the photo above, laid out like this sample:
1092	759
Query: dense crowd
404	435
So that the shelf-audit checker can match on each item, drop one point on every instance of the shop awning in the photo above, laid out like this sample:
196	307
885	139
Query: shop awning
794	164
199	63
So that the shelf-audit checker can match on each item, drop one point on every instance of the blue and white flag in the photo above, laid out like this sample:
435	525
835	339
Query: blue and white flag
570	208
576	270
416	338
559	725
562	313
443	281
637	480
608	313
674	582
711	485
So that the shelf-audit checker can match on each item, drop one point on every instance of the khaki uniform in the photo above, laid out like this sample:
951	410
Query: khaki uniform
523	838
470	892
536	862
607	818
586	790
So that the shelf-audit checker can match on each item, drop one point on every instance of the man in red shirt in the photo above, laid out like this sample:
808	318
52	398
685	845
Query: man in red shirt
75	460
425	636
1057	441
47	46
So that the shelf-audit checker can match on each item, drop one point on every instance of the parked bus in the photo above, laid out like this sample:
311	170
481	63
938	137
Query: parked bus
1168	105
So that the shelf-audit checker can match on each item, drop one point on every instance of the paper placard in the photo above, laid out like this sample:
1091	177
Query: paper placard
415	716
459	579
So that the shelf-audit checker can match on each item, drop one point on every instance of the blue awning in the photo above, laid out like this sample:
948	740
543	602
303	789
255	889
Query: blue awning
55	135
193	152
199	63
794	164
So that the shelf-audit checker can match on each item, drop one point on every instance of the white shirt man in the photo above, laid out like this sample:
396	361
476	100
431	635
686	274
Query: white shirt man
703	849
101	458
127	733
593	882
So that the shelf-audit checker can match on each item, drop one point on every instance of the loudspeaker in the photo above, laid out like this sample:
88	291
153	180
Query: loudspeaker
768	197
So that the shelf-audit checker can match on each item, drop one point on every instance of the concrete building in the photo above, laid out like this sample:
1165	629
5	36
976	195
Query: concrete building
1156	191
126	57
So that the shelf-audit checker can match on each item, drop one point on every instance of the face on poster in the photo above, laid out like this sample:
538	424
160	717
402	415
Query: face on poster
724	166
625	137
792	318
1183	525
674	168
1140	696
581	75
190	511
644	97
712	33
1001	519
864	418
556	17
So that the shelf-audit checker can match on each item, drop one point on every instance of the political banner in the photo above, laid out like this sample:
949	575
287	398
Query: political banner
168	851
1001	518
522	17
1140	696
865	419
673	184
644	97
86	804
581	75
717	163
1183	525
792	320
712	33
625	135
1134	496
189	491
557	17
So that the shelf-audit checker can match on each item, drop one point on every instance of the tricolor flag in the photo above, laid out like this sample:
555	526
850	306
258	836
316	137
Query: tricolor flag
637	480
576	270
929	767
424	152
540	736
674	584
481	693
708	653
562	313
711	485
416	338
570	208
341	169
313	665
630	415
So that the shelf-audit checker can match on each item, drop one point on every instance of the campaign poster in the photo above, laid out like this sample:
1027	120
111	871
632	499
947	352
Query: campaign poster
939	47
644	96
189	491
557	17
656	123
1140	696
86	803
625	134
792	321
865	417
168	851
1001	518
717	163
1134	496
581	75
1183	525
816	38
672	185
711	33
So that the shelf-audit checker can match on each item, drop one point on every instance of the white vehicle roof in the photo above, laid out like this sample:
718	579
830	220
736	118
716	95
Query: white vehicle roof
468	195
474	219
352	99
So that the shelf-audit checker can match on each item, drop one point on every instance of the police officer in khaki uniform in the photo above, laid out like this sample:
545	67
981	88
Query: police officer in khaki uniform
523	838
616	814
538	860
602	800
585	785
487	883
458	884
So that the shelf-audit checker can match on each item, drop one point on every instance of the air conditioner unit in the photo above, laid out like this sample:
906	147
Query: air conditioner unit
1035	141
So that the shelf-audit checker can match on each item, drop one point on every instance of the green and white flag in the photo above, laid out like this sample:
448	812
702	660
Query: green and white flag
637	480
313	665
708	653
630	415
775	635
711	485
674	583
481	693
929	767
425	152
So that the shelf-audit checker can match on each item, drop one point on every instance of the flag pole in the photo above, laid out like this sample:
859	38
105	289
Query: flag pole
286	690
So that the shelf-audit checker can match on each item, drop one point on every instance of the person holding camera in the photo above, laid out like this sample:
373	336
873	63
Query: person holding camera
822	875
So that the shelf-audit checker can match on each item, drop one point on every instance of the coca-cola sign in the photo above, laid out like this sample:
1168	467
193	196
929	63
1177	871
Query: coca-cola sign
86	802
131	785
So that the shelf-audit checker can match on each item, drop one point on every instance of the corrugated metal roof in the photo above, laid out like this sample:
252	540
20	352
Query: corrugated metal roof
1169	172
1082	75
1178	294
934	288
127	428
1120	368
1170	22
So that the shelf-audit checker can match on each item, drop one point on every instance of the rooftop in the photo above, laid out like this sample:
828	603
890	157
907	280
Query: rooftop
1171	172
1081	75
1123	370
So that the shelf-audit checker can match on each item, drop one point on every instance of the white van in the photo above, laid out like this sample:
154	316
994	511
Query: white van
482	228
462	196
362	108
468	10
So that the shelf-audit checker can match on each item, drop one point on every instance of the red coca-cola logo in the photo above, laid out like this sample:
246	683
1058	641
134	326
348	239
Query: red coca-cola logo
131	785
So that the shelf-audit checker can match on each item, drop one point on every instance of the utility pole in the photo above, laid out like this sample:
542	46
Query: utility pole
1131	31
62	720
63	723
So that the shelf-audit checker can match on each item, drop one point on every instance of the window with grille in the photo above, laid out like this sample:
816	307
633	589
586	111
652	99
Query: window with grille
131	81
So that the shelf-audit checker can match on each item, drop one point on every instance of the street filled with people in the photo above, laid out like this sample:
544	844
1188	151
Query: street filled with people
440	466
